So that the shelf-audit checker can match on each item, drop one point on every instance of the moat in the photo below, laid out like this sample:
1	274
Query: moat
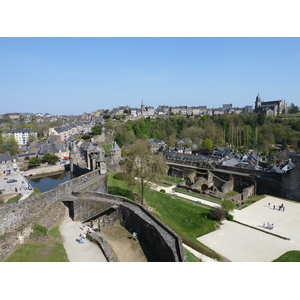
50	181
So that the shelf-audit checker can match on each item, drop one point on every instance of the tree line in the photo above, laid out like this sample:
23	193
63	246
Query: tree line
255	131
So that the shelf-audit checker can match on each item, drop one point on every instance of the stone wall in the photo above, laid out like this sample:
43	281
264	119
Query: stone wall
228	186
103	245
241	197
46	209
160	240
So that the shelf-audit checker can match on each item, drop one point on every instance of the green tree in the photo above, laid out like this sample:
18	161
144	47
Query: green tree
142	164
34	162
293	109
50	158
97	129
9	145
228	206
207	144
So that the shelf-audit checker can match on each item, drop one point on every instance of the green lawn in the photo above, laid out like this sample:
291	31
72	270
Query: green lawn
107	148
51	250
290	256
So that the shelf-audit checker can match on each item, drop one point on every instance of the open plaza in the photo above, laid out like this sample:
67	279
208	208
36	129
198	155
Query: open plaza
251	240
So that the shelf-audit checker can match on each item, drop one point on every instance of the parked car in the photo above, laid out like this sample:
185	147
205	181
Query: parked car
11	180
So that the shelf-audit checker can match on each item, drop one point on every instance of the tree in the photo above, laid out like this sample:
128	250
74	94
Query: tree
228	206
142	164
97	129
293	109
9	145
50	158
207	144
34	162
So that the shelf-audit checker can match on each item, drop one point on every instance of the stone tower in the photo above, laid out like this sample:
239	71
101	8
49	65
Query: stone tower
74	156
143	107
115	153
101	162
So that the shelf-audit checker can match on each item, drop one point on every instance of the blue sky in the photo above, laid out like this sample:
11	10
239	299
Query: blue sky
77	75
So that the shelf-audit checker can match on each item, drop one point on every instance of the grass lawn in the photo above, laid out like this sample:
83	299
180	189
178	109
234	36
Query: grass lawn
107	148
51	250
187	219
290	256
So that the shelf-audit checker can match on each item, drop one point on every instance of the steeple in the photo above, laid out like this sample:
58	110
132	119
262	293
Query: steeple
257	102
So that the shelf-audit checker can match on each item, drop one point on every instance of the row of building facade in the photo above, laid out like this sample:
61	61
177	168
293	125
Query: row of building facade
271	108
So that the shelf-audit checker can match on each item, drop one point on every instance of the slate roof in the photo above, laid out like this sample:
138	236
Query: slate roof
115	147
184	156
101	156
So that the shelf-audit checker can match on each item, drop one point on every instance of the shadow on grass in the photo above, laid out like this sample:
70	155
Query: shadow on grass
120	192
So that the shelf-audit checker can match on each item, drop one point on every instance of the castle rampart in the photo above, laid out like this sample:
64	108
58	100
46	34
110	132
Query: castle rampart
50	208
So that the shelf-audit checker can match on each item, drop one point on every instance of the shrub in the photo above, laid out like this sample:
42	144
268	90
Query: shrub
162	191
121	176
218	213
229	217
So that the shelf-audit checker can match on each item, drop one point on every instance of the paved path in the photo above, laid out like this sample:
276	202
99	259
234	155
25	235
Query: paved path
87	252
169	190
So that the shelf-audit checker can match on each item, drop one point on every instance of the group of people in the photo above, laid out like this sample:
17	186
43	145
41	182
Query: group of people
82	237
269	225
280	207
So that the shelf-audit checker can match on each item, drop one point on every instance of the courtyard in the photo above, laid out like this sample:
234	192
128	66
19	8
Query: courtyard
256	242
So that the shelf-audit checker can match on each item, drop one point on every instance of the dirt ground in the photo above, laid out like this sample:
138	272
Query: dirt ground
124	246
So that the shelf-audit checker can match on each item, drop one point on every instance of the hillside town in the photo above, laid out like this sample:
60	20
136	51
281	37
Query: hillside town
56	139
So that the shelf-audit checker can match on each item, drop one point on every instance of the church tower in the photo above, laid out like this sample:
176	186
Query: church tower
257	102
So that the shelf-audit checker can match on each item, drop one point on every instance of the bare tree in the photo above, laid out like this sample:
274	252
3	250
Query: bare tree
143	164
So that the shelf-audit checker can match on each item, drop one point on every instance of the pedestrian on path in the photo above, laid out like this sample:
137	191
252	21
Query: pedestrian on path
81	239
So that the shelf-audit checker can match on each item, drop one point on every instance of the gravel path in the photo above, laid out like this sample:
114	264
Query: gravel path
87	252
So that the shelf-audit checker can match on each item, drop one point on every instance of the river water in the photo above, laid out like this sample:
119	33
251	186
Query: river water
49	182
